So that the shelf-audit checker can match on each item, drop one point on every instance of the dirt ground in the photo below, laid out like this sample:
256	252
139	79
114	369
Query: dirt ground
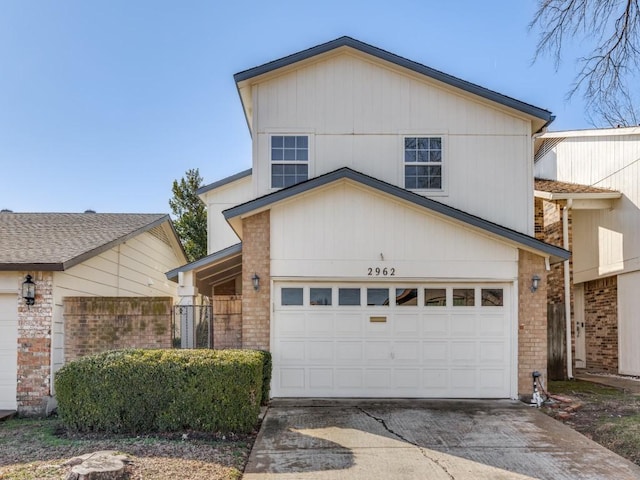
40	449
607	415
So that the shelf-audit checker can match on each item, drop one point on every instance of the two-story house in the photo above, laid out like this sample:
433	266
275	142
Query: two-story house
602	222
382	242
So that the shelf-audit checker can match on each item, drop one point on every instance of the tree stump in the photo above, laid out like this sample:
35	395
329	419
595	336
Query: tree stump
104	465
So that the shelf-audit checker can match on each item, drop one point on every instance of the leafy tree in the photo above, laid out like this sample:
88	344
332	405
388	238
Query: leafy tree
609	69
190	214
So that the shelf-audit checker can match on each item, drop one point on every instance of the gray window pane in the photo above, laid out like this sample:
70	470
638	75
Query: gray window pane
435	143
410	156
434	182
410	143
435	297
423	156
349	296
277	169
277	141
463	297
320	296
411	182
302	142
276	154
302	170
492	297
406	296
423	143
435	156
289	154
277	181
302	155
292	296
290	142
378	296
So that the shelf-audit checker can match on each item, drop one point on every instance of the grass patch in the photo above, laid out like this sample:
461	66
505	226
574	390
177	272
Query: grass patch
39	448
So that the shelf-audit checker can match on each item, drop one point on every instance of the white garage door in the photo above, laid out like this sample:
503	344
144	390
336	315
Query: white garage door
394	340
8	351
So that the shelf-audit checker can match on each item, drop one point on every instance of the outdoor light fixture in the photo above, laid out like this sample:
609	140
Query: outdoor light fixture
29	291
256	282
535	283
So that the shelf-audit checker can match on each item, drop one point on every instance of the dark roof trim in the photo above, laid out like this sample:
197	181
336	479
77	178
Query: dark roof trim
224	181
402	62
441	208
39	267
204	261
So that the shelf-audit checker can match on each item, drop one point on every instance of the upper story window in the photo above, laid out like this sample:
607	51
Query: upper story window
289	160
423	163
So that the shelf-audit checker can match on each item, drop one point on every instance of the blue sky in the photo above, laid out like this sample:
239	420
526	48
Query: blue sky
104	103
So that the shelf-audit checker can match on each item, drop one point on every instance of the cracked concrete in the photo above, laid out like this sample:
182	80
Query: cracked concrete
435	439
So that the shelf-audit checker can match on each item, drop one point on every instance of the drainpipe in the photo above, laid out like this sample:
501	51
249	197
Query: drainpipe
567	286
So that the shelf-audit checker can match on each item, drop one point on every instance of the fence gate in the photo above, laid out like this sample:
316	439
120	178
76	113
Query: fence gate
192	326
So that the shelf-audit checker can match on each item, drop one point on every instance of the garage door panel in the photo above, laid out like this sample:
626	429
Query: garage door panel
293	351
320	324
320	351
377	351
493	352
435	325
348	324
8	351
417	350
321	378
464	325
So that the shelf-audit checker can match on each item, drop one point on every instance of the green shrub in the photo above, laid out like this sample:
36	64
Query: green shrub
138	391
266	376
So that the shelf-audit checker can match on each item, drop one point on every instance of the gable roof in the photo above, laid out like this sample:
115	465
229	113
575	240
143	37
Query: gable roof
58	241
224	181
232	215
384	55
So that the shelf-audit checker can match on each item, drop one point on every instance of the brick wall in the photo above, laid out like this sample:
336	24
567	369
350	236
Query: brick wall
601	324
34	347
227	321
532	322
97	324
256	259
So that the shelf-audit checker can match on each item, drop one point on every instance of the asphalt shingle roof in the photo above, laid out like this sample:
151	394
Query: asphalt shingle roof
553	186
55	241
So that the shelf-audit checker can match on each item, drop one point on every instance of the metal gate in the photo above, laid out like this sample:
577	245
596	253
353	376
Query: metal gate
192	326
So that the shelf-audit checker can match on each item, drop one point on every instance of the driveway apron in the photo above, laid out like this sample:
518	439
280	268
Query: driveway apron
430	439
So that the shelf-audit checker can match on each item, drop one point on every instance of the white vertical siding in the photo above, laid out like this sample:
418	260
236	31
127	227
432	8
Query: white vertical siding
343	230
219	234
605	241
628	319
356	112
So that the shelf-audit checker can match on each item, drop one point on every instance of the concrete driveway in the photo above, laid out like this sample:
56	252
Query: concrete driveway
424	439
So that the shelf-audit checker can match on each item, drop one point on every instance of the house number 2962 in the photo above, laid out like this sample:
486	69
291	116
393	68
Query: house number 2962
385	272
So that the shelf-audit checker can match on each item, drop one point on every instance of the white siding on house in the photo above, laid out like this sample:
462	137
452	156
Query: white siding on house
356	112
628	320
219	234
343	230
606	242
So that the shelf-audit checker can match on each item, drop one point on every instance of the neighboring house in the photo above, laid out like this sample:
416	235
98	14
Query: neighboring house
386	231
604	223
70	255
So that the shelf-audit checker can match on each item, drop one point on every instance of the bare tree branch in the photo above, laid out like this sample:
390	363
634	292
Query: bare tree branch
607	71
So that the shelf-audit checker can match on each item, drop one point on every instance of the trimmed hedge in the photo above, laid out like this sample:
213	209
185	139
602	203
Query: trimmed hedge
135	391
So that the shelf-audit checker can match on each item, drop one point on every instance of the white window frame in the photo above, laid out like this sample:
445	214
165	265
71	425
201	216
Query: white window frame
443	164
273	162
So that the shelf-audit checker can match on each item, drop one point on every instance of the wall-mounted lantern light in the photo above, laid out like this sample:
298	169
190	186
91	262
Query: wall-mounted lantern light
535	283
256	282
29	291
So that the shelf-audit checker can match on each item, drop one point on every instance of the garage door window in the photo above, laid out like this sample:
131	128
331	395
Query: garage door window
349	296
435	297
407	296
320	296
378	297
492	297
292	296
464	297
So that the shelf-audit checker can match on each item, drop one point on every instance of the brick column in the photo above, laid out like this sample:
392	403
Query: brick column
34	347
532	321
256	259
